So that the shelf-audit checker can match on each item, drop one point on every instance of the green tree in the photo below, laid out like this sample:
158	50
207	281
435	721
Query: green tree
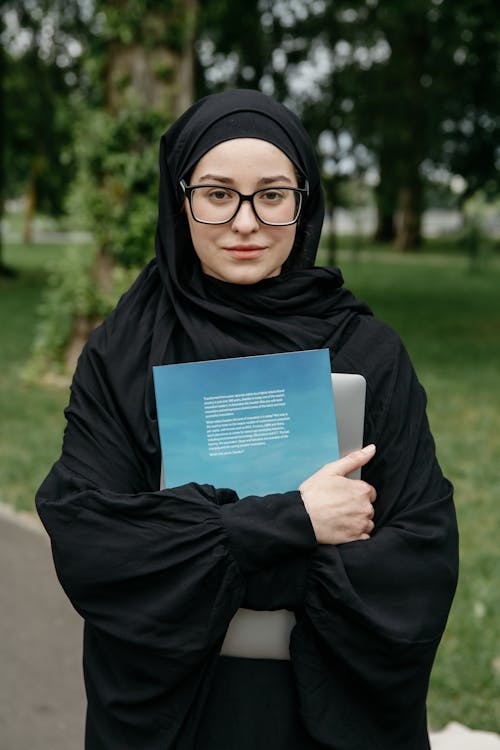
234	45
40	71
413	85
467	88
38	145
141	76
137	77
416	84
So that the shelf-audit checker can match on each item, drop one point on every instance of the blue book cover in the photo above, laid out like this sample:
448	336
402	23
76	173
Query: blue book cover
258	424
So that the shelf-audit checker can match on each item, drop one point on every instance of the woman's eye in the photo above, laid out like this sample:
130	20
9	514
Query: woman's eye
219	195
272	196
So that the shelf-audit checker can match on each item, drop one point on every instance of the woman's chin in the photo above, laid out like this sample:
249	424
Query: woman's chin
244	275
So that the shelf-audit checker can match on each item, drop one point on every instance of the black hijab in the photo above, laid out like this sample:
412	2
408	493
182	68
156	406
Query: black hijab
176	313
292	311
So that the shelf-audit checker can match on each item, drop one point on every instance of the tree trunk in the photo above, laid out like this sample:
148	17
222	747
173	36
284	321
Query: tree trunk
386	197
31	198
407	125
386	227
149	74
409	230
30	210
82	328
5	271
102	272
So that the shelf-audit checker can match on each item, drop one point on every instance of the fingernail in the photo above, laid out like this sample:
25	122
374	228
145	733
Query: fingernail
368	449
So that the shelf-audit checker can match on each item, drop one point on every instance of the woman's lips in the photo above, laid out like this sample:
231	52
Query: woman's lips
245	251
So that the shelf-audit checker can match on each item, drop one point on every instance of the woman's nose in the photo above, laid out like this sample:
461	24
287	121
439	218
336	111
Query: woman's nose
245	220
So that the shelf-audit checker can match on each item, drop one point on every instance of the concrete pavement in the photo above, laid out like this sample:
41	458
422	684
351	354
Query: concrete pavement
42	700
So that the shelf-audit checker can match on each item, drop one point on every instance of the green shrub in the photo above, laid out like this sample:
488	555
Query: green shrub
72	294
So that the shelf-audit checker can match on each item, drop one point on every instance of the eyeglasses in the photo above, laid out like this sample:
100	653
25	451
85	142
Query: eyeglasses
217	204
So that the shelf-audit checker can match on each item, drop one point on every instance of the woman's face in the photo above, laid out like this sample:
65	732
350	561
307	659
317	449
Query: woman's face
243	250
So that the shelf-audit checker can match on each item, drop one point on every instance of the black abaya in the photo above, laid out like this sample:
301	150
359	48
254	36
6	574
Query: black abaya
253	703
158	575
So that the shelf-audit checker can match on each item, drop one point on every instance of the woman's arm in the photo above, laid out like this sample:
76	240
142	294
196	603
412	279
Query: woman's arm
125	551
374	610
157	575
340	510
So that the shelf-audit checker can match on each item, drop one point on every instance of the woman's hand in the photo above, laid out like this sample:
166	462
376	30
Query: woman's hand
340	509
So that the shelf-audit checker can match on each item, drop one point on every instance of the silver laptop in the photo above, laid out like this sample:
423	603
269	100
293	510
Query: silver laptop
266	635
349	395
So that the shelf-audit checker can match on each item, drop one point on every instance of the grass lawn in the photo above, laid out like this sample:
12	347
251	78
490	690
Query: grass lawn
449	319
31	421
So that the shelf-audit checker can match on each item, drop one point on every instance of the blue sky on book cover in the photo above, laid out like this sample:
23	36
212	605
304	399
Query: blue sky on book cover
258	424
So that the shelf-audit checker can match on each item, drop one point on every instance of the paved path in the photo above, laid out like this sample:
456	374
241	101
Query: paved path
42	700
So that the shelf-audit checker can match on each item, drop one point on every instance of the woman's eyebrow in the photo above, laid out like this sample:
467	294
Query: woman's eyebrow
217	178
274	179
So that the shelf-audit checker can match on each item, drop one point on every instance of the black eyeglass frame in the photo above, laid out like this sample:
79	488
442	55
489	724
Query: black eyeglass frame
188	189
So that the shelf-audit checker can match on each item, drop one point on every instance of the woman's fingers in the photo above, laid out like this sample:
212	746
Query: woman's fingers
352	461
341	509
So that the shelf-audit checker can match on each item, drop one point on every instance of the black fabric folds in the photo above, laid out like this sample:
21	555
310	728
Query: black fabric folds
158	575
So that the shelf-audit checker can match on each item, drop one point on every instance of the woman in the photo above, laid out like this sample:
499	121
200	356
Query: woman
158	575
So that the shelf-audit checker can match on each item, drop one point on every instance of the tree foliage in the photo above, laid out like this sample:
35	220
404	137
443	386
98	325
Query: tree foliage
41	56
137	71
405	91
117	186
409	87
396	94
38	144
467	90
